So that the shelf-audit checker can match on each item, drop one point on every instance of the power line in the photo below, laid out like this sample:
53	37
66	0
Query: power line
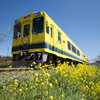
5	35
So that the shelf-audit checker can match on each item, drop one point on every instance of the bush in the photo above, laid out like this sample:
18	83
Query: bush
5	61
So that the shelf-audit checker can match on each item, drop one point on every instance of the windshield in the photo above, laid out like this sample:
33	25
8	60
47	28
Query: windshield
38	25
17	30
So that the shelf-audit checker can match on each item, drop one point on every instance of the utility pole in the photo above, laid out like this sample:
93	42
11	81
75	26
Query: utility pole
7	51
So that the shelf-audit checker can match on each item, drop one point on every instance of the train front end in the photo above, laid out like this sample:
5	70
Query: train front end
29	40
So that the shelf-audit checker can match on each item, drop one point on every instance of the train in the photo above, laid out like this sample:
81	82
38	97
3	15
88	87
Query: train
37	38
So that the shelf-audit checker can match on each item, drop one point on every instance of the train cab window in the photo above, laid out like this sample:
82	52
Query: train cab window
26	29
69	45
38	25
17	30
73	49
59	37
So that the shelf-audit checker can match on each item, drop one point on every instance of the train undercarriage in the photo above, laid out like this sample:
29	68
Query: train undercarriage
25	59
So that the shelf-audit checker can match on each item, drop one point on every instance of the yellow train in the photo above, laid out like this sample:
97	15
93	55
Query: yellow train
37	38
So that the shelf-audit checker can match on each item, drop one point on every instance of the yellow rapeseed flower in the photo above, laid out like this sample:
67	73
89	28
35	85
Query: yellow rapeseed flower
36	84
16	82
31	69
97	89
46	82
31	65
56	81
23	72
40	65
91	83
11	90
60	89
50	85
47	75
65	75
34	63
83	95
83	99
51	97
25	84
50	62
10	66
14	88
36	74
37	80
26	89
20	90
31	87
98	83
46	93
93	93
42	84
62	95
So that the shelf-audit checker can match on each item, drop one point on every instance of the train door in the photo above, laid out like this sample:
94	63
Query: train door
63	46
84	57
59	41
26	37
51	36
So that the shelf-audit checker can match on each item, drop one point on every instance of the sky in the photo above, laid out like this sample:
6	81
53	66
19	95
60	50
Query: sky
79	19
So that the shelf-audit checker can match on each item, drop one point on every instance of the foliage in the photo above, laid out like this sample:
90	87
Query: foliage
60	83
5	61
96	61
5	58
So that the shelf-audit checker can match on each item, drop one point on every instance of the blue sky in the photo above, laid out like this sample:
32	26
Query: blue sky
79	19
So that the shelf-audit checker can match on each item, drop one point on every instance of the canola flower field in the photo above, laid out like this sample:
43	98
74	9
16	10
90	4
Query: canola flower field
63	82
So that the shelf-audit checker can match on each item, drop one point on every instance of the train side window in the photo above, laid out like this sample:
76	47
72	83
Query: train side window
26	29
59	37
78	52
51	29
69	45
84	57
47	29
17	30
73	49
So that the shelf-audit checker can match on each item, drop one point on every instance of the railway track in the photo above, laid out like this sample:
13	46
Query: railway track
13	69
11	73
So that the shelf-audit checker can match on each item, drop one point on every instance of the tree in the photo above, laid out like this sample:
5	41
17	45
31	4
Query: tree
97	60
